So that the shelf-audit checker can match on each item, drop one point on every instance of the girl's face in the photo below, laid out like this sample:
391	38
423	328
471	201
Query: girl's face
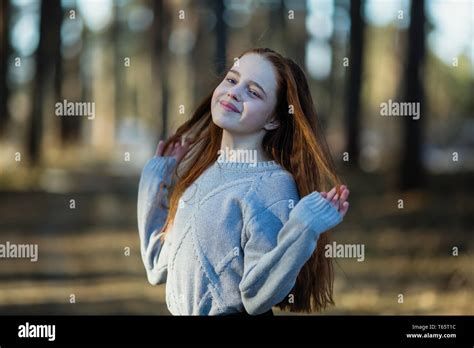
245	99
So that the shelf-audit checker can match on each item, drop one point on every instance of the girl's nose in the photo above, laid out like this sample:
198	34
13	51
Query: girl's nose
233	94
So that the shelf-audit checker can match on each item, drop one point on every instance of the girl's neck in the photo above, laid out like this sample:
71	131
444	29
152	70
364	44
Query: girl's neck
238	146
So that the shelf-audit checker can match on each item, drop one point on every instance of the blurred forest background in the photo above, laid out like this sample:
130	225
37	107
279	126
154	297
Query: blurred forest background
146	64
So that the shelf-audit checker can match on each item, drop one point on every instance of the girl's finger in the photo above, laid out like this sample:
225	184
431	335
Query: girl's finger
335	201
159	148
172	149
331	194
344	208
344	195
168	150
324	194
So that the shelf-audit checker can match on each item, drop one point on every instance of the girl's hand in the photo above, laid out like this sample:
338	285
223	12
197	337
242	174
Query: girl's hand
176	150
338	202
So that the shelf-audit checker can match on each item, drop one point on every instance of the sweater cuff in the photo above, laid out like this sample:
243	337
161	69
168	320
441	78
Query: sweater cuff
318	213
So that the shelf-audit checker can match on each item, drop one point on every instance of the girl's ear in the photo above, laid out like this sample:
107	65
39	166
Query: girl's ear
273	124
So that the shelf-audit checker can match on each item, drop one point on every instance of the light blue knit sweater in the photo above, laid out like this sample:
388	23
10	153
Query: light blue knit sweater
239	239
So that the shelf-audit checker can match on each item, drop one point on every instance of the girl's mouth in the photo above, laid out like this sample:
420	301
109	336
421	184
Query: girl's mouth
229	107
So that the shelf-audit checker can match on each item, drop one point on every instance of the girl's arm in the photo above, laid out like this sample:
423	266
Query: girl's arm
152	208
276	249
152	211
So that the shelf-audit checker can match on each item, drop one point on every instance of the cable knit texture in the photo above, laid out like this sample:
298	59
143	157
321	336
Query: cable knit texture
240	236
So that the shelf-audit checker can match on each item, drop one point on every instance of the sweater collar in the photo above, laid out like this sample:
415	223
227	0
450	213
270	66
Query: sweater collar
248	166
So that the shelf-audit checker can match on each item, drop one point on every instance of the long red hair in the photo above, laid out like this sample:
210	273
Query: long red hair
298	145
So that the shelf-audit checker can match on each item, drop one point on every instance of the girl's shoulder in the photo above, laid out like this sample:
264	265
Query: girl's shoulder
277	181
271	187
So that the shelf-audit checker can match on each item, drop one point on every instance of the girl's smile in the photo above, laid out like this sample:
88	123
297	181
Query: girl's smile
229	106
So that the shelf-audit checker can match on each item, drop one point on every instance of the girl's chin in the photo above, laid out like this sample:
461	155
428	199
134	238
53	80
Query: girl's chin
225	124
224	118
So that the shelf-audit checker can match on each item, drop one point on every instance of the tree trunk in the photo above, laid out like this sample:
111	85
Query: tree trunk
70	127
4	61
354	84
49	46
204	69
161	33
221	37
412	171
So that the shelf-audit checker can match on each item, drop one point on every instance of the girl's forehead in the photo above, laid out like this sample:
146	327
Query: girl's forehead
257	68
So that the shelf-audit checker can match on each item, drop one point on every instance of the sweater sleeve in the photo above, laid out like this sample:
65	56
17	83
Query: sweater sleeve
276	250
152	211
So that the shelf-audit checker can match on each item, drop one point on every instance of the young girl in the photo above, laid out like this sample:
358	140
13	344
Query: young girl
236	237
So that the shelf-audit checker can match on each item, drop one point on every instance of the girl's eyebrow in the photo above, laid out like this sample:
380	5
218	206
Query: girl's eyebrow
251	82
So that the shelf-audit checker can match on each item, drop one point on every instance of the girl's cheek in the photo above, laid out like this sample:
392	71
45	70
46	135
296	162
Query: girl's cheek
217	93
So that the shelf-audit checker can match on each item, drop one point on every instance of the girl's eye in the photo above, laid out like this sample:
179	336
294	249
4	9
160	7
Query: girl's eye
232	81
254	93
